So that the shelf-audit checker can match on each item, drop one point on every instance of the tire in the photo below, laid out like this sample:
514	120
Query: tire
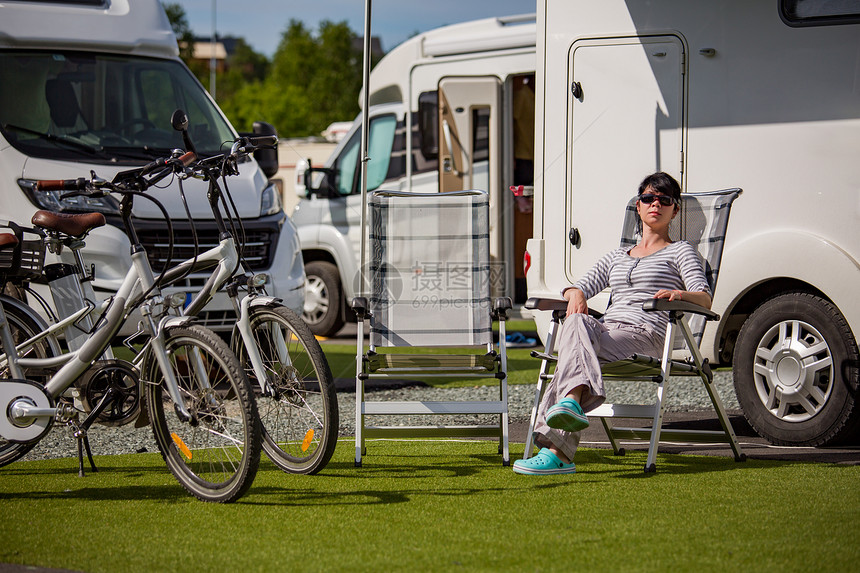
299	413
25	326
215	455
796	372
323	298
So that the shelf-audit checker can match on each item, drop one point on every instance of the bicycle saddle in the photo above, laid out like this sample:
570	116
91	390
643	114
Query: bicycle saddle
72	225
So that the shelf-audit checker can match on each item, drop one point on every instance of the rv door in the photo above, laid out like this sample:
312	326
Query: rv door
469	156
626	109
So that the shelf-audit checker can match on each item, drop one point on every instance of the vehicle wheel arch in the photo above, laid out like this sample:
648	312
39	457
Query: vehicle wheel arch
745	304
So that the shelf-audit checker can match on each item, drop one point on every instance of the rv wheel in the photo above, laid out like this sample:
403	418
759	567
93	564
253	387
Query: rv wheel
796	372
323	298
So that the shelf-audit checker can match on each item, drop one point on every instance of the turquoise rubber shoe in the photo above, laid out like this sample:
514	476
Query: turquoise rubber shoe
544	463
567	415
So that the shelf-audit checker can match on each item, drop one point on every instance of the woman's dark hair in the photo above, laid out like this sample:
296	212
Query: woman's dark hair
662	183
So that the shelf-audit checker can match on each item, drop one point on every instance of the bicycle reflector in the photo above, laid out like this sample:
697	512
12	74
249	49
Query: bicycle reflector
306	443
181	445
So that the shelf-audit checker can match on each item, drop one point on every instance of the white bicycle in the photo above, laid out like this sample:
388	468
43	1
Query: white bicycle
199	400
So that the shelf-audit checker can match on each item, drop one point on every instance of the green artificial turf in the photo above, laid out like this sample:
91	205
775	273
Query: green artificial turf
427	506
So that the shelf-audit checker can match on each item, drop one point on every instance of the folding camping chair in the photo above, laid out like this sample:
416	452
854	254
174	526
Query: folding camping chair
702	222
429	286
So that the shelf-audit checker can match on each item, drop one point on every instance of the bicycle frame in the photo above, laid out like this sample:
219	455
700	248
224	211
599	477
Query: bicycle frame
225	258
138	281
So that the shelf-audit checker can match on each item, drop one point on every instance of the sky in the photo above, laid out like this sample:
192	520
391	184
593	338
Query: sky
261	22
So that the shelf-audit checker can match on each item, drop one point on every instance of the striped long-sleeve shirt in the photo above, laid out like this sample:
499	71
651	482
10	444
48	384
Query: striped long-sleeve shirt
634	280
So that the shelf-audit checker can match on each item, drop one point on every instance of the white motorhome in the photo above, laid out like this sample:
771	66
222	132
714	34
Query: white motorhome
762	95
442	108
91	85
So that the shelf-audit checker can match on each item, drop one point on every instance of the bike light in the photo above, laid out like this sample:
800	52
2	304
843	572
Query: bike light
176	300
271	201
258	280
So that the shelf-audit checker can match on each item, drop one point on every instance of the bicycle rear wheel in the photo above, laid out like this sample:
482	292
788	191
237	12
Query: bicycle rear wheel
215	454
24	326
299	412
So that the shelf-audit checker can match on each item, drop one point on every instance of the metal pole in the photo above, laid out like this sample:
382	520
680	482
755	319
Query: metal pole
212	44
365	124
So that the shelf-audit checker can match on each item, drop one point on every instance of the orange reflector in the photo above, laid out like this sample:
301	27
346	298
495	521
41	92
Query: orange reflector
306	443
181	445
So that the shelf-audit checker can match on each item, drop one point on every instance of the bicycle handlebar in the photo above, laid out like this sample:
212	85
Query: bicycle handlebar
183	160
78	184
262	141
158	169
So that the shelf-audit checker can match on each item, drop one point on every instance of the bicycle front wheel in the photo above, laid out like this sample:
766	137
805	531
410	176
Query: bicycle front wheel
297	403
214	454
24	326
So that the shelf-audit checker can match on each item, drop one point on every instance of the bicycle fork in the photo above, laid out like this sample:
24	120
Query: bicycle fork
158	349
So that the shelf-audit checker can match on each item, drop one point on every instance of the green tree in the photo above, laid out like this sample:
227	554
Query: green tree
313	80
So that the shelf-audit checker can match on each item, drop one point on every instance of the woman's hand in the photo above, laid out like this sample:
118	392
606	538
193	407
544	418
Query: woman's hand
670	294
576	303
699	298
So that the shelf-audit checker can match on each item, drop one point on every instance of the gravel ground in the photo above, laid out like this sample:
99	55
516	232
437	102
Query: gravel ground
682	395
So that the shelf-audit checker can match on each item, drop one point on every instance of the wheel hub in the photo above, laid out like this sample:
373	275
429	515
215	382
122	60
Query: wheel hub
793	371
316	299
16	393
788	370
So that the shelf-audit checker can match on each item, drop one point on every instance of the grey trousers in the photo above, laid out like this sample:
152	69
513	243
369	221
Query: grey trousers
584	343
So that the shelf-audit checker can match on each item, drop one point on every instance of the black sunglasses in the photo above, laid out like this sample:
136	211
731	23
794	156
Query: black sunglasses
665	200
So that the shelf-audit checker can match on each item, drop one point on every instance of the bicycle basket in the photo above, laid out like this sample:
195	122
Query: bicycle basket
26	260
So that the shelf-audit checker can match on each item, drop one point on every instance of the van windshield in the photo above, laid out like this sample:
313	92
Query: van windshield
74	105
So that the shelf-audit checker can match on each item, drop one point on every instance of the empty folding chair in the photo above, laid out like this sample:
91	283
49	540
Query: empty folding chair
702	222
429	285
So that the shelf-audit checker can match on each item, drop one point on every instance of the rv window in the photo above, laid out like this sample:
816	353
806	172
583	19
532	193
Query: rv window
380	142
428	124
819	12
480	134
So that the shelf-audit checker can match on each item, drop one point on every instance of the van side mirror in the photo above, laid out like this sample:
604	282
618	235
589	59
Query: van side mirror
312	180
179	121
267	159
301	189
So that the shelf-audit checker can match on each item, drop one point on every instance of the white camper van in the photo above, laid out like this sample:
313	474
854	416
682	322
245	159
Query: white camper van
442	118
91	85
762	95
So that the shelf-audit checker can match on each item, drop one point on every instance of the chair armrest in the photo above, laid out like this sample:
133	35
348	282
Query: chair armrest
557	306
359	305
678	306
535	303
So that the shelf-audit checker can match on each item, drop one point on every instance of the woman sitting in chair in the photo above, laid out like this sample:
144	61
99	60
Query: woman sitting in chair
654	268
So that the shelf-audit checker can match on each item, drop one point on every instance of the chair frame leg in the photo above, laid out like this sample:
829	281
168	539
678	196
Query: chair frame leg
657	423
543	376
359	395
716	401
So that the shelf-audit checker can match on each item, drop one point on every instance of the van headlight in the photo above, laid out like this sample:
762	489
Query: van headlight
271	201
52	201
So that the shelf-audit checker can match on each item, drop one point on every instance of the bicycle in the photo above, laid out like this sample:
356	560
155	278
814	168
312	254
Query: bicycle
285	363
199	400
288	370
